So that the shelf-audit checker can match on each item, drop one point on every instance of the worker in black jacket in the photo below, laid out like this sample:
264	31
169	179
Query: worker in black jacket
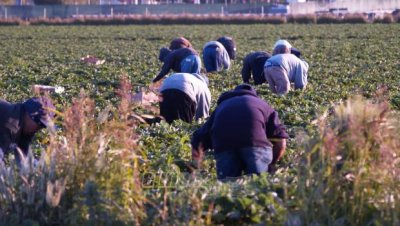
19	122
253	64
245	133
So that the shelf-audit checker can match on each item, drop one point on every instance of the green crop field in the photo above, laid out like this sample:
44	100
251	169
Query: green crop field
154	186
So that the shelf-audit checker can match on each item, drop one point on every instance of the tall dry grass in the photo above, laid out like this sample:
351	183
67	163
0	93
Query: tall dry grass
386	19
350	174
88	175
302	19
355	18
328	19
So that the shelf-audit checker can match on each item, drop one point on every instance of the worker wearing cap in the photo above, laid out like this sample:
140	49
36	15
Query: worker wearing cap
19	122
284	68
217	55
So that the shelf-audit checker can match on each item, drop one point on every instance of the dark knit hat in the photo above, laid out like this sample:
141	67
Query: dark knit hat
40	110
163	53
229	45
180	42
295	52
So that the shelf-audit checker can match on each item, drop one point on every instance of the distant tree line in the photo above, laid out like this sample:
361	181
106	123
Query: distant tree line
7	2
51	2
66	2
95	2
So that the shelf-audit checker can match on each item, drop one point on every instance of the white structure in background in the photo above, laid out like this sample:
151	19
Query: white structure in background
295	1
350	6
127	2
23	2
109	2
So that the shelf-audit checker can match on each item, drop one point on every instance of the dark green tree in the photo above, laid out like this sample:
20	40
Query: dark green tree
7	2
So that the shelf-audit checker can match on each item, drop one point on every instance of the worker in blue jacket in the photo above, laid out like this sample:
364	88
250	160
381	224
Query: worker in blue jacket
217	55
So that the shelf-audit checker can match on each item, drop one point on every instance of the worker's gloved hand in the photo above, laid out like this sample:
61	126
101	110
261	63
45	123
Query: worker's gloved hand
195	164
155	86
197	156
272	168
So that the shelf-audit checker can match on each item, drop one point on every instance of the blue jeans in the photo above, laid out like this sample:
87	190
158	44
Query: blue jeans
251	160
191	64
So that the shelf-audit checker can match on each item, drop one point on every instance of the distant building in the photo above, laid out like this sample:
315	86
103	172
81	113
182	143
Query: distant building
341	7
23	2
293	1
126	2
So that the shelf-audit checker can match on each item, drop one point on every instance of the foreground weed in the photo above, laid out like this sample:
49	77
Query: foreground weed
86	176
350	172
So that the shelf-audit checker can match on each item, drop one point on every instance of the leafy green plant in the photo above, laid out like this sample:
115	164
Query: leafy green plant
197	200
143	174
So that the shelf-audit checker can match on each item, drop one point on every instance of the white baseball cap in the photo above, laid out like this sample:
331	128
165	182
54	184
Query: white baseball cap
282	42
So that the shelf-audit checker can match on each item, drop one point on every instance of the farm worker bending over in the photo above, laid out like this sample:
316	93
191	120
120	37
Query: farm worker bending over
217	55
19	123
245	133
283	68
180	42
185	60
185	96
253	63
